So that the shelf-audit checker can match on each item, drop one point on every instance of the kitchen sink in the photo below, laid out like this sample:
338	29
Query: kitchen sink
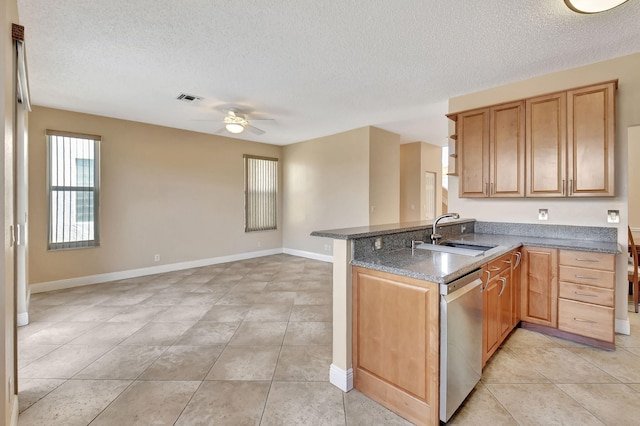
463	249
466	246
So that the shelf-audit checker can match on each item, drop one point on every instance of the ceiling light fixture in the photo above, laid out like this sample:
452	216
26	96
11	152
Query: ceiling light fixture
234	127
592	6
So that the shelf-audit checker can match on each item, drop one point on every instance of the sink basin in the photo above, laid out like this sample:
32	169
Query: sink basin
467	246
463	249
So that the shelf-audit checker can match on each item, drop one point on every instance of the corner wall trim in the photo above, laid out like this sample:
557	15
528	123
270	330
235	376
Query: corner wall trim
309	255
14	410
340	378
623	326
133	273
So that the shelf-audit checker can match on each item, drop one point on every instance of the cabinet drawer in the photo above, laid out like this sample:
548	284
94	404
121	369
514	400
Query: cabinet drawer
586	319
586	293
495	267
604	279
582	259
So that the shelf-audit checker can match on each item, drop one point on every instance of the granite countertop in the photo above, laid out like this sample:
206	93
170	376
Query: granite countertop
377	230
443	268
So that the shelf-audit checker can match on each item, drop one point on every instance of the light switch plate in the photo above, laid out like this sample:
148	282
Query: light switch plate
543	214
613	216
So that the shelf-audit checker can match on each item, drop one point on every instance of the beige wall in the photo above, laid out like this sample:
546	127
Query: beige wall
326	186
431	157
634	177
163	191
592	211
384	177
415	159
410	181
8	398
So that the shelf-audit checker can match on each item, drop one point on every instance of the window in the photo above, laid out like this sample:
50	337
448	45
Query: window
260	193
73	181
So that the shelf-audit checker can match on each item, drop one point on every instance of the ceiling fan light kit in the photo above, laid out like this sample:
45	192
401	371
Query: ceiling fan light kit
234	127
592	6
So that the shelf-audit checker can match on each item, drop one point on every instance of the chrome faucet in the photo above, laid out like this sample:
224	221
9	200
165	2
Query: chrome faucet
434	236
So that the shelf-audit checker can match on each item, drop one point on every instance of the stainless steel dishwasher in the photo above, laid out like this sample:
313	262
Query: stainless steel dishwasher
460	341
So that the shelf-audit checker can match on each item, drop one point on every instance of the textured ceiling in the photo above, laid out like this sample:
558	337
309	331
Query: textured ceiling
317	67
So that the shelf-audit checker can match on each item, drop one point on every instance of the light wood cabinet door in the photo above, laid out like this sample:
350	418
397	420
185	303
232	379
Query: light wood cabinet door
516	286
506	148
504	303
539	286
396	342
473	153
591	136
490	319
546	146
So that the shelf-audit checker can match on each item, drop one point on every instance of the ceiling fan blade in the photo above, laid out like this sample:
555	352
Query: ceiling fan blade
220	130
254	129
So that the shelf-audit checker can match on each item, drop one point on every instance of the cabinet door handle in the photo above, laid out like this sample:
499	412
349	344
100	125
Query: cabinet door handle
584	277
491	192
519	257
563	186
578	259
486	188
488	278
584	320
504	284
585	294
570	186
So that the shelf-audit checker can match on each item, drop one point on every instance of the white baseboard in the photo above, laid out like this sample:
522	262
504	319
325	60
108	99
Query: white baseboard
22	319
309	255
623	326
133	273
341	378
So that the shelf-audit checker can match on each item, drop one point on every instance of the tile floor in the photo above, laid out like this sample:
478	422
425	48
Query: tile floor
249	342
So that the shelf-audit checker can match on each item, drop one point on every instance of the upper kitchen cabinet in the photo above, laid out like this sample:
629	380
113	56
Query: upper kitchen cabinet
570	143
567	139
546	145
490	143
590	138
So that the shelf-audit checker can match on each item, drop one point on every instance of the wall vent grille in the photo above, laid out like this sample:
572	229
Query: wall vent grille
190	99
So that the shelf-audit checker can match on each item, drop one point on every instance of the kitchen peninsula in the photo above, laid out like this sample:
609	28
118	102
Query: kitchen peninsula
380	260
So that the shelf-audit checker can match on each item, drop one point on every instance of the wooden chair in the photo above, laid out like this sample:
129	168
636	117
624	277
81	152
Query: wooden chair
633	271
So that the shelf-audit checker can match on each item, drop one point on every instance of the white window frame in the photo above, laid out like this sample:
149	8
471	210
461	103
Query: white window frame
260	210
63	239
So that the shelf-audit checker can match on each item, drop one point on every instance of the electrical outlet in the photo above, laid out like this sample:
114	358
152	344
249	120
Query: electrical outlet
543	214
327	248
156	258
613	216
259	243
377	243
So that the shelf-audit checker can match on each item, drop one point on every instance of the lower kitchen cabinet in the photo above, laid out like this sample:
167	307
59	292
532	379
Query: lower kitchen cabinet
539	286
497	304
396	332
587	295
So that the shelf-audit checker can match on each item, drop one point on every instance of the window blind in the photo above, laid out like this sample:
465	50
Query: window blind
261	193
73	183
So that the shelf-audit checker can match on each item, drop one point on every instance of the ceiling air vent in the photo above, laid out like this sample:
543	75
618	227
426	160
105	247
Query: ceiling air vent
190	99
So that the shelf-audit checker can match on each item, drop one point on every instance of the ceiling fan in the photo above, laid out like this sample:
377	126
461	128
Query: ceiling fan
236	122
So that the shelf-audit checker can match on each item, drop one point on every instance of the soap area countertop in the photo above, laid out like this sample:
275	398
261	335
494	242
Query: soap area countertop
398	258
443	267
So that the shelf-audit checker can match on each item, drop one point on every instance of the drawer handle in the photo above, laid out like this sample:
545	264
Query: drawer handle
584	277
519	256
584	320
585	294
586	260
494	268
504	284
508	262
